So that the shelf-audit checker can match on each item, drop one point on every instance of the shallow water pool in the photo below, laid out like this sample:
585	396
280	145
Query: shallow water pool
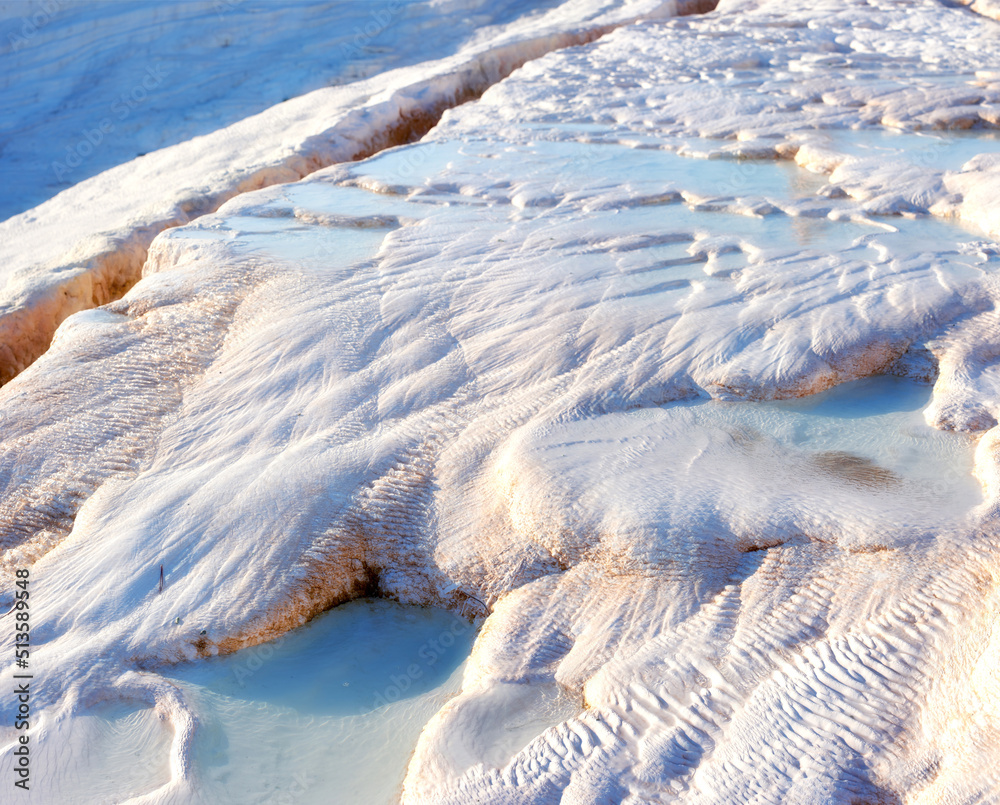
329	713
876	422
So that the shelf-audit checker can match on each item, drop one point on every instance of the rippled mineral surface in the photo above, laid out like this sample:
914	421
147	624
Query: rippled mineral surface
635	419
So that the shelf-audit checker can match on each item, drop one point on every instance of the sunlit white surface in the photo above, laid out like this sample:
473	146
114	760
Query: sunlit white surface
108	754
667	419
86	245
878	419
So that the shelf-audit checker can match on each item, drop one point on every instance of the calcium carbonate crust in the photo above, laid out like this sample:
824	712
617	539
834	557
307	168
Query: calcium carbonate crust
484	404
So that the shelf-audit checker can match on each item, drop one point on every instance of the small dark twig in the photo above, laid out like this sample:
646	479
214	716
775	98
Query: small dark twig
468	597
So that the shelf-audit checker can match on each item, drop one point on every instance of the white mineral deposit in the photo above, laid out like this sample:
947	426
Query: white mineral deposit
452	402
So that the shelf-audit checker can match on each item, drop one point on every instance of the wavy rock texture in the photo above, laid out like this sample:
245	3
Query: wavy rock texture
87	246
549	359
